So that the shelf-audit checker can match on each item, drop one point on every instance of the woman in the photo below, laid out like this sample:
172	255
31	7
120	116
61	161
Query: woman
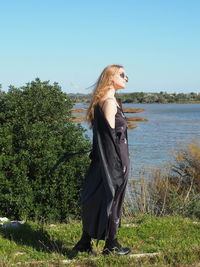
106	178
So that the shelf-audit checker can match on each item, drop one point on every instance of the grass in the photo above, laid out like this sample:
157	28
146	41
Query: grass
176	239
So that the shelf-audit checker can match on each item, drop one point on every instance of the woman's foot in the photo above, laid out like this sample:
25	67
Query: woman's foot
84	244
115	248
83	247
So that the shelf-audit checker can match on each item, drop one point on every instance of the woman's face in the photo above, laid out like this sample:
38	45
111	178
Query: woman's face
120	79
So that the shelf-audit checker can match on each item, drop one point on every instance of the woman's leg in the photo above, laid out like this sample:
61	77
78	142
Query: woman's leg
111	244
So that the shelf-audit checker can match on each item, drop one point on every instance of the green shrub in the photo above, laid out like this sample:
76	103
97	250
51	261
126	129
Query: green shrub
35	131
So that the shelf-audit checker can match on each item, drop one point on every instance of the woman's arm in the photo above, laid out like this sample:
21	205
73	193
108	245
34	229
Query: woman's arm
110	109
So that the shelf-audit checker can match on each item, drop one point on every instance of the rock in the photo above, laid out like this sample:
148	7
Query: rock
144	255
52	225
130	225
18	253
3	219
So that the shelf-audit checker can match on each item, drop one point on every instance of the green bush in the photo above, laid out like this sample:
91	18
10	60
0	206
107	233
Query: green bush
35	131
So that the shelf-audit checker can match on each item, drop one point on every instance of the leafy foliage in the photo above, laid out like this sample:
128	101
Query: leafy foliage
35	131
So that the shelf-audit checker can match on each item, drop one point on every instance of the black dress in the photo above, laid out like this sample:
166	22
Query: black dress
106	179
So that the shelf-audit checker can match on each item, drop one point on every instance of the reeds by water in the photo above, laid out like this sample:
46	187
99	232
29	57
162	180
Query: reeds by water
174	190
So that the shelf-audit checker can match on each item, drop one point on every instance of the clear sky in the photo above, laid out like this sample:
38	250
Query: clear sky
71	41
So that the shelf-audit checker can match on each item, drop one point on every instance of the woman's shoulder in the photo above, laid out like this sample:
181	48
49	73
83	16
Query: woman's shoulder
109	102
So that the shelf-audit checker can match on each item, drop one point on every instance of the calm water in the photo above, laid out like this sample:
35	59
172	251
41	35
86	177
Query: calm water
153	143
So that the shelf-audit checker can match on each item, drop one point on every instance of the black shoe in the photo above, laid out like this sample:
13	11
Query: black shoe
84	244
83	247
115	248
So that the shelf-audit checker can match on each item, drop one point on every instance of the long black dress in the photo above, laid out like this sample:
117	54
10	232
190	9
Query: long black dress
107	176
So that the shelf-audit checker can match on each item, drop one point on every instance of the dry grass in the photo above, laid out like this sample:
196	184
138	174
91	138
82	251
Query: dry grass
174	190
77	119
136	119
131	125
133	110
78	110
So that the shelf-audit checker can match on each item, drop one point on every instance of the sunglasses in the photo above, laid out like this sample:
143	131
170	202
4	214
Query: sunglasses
124	76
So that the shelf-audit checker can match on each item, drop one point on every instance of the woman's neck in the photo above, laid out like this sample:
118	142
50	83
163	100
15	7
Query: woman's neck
111	93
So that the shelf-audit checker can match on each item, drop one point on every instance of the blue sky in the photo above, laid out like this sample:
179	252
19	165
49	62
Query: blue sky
70	42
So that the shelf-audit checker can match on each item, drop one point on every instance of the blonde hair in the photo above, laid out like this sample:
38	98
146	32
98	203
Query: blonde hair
102	85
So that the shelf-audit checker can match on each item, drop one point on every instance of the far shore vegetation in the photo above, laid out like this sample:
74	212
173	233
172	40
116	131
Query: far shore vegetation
146	98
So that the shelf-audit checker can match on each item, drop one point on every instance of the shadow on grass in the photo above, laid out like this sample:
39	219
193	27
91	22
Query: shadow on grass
39	239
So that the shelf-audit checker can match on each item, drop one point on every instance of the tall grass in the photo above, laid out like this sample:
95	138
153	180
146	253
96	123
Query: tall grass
174	190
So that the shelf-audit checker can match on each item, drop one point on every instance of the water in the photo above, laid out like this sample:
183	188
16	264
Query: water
153	143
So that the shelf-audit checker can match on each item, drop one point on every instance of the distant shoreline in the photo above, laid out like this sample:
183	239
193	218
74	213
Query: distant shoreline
177	103
146	98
